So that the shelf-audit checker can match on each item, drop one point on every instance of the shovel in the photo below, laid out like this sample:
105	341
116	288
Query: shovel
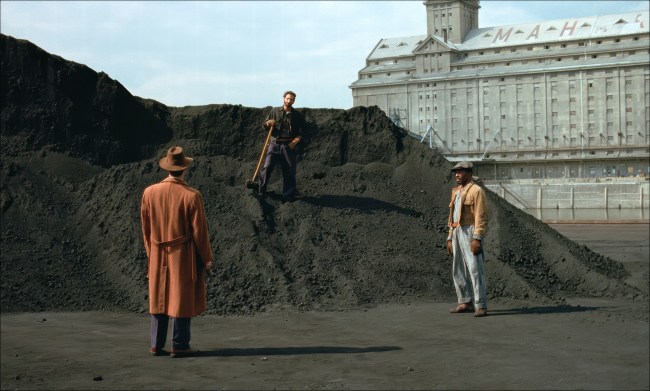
252	184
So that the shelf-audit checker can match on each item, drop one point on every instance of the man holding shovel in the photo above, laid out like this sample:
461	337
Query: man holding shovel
285	125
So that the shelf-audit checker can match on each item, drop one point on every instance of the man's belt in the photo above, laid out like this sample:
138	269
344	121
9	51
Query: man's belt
282	140
173	242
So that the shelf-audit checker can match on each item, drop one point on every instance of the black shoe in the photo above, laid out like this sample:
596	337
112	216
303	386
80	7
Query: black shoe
261	191
158	352
178	353
291	197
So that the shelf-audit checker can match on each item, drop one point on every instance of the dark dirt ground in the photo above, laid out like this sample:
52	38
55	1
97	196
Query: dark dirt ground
585	344
78	149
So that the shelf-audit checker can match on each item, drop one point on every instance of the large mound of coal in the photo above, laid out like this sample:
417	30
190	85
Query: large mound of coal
78	150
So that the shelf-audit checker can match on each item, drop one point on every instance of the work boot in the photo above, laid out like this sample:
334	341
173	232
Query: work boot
480	312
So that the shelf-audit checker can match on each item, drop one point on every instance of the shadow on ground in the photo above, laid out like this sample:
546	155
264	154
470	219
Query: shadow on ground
293	351
561	309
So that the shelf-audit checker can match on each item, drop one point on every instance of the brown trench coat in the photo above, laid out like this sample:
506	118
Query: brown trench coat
176	239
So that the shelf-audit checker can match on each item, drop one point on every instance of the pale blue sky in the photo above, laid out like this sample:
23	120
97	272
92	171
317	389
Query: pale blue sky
245	52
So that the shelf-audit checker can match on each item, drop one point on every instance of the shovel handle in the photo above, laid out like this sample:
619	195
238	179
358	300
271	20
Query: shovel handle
266	145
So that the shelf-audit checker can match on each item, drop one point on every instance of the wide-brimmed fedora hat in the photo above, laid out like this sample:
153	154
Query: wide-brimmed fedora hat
175	160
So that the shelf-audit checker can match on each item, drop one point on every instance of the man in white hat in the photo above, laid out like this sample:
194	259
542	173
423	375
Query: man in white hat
176	239
467	223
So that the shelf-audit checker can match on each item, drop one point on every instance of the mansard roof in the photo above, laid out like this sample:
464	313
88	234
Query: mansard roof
558	30
395	47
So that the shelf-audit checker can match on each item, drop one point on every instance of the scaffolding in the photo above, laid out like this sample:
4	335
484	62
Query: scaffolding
430	133
397	117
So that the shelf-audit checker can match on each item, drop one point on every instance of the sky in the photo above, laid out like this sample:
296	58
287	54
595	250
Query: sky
190	53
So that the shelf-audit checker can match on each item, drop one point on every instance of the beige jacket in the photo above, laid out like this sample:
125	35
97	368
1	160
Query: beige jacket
473	212
176	239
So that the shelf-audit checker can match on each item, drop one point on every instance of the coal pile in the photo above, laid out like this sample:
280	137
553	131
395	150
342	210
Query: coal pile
78	150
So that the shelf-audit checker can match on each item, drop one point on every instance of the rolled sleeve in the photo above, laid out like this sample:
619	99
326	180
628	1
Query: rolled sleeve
480	215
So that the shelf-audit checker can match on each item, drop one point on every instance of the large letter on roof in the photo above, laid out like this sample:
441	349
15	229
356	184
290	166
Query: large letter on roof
534	33
500	35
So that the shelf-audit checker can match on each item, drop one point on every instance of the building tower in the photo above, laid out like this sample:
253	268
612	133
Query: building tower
451	19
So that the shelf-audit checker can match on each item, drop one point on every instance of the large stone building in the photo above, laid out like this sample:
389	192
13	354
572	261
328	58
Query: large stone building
564	98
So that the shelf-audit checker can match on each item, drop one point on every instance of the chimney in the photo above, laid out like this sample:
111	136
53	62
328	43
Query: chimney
444	34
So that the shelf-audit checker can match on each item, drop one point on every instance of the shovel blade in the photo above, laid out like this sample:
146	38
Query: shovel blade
253	185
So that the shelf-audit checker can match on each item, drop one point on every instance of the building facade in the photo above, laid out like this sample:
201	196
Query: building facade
565	98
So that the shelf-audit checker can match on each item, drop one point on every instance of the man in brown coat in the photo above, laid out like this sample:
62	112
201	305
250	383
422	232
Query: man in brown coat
175	232
468	220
